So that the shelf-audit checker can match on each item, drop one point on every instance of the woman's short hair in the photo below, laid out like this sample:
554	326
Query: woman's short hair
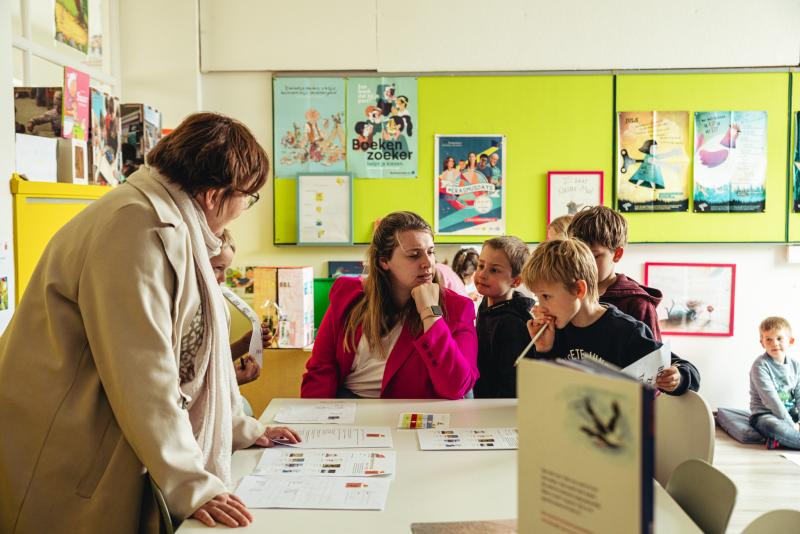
211	151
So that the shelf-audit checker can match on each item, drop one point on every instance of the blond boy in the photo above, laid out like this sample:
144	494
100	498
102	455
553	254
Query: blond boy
775	385
563	275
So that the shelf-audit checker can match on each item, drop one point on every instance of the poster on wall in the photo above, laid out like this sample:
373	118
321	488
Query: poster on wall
653	161
324	209
72	23
469	184
75	114
568	192
106	135
382	127
698	297
730	161
309	125
796	168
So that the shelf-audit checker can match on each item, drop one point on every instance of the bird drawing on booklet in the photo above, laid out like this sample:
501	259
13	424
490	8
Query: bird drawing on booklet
714	158
603	435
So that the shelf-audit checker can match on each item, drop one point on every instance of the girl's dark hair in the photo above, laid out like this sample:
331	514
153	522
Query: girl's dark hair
465	262
211	151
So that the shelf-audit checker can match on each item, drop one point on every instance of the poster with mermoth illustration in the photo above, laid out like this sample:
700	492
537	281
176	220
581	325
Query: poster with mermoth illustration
382	127
469	184
309	126
653	161
730	161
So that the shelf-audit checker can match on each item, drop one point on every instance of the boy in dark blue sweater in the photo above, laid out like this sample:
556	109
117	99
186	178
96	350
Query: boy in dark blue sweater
563	275
502	316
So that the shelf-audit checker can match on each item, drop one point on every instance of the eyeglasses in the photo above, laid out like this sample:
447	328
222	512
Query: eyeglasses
252	198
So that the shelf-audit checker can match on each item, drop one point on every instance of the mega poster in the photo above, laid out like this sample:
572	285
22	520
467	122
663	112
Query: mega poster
309	126
653	161
382	127
72	23
730	161
796	168
469	184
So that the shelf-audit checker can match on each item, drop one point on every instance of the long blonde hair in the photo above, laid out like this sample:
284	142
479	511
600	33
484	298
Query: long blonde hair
377	312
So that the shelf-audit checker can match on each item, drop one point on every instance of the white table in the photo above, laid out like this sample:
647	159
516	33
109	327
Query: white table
429	486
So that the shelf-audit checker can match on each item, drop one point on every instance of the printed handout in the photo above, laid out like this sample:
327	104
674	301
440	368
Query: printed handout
320	412
328	463
320	493
343	437
468	439
424	420
646	368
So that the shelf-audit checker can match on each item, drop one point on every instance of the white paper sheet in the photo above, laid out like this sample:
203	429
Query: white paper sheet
320	412
792	457
415	420
343	437
646	368
256	348
328	463
320	493
468	439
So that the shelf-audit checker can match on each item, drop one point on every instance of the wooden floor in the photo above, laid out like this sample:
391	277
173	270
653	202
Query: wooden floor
765	480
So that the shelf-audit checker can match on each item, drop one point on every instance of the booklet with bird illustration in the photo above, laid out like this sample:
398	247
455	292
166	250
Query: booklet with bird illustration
585	448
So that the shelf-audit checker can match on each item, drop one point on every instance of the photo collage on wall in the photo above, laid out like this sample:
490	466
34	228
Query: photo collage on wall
729	159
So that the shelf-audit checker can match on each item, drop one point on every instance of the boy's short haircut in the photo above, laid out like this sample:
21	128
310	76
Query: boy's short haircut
599	225
559	225
562	261
514	248
227	241
774	323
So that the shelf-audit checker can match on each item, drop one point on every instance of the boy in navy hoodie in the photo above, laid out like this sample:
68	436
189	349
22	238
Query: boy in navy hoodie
502	316
606	233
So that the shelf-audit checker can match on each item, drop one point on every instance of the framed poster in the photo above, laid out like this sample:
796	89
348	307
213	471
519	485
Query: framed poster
309	125
653	161
469	185
325	209
730	163
698	297
568	192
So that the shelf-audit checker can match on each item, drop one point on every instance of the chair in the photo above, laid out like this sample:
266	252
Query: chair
684	430
165	526
780	521
705	493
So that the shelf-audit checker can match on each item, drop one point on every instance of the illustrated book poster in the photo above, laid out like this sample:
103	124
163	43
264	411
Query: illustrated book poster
730	161
309	125
75	115
382	127
106	135
594	471
469	184
653	161
796	168
72	23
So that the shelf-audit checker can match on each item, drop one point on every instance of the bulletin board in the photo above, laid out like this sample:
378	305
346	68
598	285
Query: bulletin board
793	223
716	92
551	123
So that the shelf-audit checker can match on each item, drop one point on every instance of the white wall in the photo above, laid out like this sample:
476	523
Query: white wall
512	35
6	160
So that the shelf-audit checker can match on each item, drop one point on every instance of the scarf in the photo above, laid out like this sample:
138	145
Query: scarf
213	393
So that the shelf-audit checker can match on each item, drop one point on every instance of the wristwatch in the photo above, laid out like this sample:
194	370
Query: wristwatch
431	311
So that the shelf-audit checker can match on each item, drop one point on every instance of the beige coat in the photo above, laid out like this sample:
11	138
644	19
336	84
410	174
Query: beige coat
88	374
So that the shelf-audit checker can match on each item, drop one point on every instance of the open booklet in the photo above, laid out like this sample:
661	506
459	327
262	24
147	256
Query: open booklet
585	448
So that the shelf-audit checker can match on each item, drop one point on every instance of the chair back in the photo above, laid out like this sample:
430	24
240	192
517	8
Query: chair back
776	521
705	493
165	525
684	430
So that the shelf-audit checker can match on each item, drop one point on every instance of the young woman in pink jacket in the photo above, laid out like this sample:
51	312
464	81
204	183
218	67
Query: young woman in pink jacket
396	333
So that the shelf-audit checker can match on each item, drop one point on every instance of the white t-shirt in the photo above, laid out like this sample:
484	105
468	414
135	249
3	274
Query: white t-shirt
366	374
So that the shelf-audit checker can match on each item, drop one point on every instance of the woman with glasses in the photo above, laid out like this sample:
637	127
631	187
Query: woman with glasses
133	368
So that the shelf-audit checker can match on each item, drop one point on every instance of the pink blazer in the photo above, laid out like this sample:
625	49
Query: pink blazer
440	363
